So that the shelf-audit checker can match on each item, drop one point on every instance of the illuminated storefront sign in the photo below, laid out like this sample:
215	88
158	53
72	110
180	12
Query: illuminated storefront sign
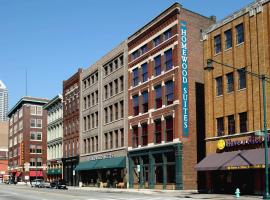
100	157
221	144
252	140
184	70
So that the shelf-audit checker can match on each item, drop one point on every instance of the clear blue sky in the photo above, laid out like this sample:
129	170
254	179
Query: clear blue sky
53	38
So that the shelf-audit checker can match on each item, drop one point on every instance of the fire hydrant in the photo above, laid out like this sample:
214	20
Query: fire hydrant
237	193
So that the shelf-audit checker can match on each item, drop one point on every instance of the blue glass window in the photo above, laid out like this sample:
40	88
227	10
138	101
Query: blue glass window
135	77
168	59
144	72
169	92
157	65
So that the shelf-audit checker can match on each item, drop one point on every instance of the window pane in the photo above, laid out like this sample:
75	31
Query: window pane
230	84
217	44
239	33
144	72
220	126
169	92
157	65
228	39
219	86
242	78
157	41
231	124
167	34
243	122
168	59
135	77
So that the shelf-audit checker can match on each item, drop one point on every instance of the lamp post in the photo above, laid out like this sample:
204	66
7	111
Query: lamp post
263	78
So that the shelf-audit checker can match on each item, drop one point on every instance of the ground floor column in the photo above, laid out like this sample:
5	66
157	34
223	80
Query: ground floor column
164	166
131	179
178	167
151	171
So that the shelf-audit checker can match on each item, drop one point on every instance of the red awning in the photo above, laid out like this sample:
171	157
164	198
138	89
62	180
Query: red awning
35	174
18	174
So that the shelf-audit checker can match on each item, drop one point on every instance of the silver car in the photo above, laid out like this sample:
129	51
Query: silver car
36	182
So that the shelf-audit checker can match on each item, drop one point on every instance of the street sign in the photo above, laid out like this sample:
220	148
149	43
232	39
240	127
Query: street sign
26	166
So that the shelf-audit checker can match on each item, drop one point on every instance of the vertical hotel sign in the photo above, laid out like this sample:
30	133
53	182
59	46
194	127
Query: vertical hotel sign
184	70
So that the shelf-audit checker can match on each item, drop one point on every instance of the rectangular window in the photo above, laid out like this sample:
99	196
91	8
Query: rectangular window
122	83
116	86
39	123
116	138
230	82
88	101
168	59
84	102
157	69
122	137
157	131
121	60
116	111
157	41
144	72
96	97
32	148
96	119
135	54
115	63
169	129
145	101
33	123
135	136
33	110
239	33
135	105
93	144
158	96
135	76
144	134
241	78
243	122
144	49
93	99
228	39
106	115
39	110
106	70
88	122
111	140
96	143
167	34
220	126
122	109
231	124
219	86
217	44
93	120
169	92
106	91
111	113
106	140
111	89
111	67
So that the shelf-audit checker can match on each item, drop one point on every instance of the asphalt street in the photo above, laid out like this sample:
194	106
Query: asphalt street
19	192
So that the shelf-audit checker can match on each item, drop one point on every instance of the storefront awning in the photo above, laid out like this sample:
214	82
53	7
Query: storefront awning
35	174
109	163
54	171
245	159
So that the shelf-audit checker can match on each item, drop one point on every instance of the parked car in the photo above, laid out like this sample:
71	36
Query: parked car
36	182
59	184
45	184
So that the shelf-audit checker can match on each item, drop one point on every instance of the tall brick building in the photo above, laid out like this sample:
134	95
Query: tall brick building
165	92
27	139
233	100
71	126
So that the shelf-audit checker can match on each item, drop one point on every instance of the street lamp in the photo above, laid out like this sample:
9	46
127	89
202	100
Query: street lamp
263	78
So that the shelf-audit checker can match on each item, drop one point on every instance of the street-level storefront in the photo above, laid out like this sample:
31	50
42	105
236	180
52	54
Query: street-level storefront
103	170
157	167
54	171
71	177
238	163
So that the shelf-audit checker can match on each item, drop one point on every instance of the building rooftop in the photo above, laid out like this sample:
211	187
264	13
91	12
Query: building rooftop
27	99
250	8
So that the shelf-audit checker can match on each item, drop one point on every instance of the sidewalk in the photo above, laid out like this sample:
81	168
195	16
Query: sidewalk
191	194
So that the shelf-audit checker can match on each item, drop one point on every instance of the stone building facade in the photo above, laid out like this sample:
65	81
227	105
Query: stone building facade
104	119
55	138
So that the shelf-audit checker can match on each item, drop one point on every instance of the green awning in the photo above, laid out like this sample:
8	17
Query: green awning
88	165
54	171
108	163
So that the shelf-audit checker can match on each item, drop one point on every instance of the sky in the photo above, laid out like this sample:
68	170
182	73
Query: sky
51	39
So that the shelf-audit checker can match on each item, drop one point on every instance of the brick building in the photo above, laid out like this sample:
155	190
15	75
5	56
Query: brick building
233	100
165	93
71	132
104	120
27	146
55	138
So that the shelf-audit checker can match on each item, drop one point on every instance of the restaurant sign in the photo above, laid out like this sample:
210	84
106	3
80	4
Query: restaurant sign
246	141
245	167
101	157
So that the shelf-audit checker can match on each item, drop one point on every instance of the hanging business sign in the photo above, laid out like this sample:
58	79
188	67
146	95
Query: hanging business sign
184	72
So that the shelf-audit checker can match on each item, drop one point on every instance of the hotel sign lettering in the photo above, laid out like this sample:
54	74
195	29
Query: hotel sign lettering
184	72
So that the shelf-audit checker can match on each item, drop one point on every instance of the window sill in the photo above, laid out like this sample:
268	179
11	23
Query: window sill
228	49
242	89
216	54
219	96
240	44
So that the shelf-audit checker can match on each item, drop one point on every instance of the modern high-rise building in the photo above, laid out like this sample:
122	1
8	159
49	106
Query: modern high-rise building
3	101
28	139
